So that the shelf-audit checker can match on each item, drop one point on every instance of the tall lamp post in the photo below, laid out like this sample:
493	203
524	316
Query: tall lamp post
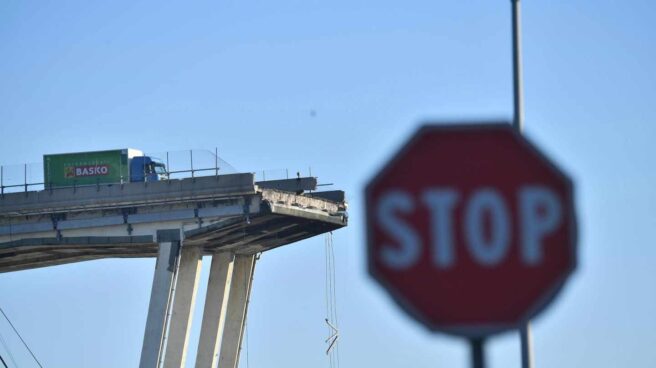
518	123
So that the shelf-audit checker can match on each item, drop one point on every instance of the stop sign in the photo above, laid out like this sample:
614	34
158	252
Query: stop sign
470	228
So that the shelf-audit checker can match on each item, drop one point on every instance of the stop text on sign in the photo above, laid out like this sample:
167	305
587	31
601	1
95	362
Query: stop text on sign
486	225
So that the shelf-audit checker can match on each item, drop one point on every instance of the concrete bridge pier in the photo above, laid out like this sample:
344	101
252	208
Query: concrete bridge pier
175	284
237	306
174	291
214	312
226	305
160	296
182	310
239	294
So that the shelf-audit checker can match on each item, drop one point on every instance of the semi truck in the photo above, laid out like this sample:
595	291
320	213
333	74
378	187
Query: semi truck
101	167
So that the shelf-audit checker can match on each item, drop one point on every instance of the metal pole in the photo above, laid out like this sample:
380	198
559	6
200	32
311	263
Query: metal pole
25	177
518	124
216	161
518	89
526	346
191	157
477	353
143	164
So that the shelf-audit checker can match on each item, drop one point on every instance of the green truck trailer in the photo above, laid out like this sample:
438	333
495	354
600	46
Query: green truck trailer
101	167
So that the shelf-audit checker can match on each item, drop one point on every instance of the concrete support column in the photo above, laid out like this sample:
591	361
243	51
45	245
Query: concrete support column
233	331
214	313
160	295
184	297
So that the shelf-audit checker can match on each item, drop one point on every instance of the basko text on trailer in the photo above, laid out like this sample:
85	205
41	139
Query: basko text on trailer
101	167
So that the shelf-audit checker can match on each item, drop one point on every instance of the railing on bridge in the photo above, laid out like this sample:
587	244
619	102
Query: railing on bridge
179	165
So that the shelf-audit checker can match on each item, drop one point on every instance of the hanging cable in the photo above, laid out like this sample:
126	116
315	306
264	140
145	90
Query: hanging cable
332	252
3	362
328	287
331	305
248	302
21	338
247	349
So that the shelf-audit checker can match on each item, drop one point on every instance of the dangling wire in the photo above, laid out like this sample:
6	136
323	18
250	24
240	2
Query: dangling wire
331	304
247	349
248	302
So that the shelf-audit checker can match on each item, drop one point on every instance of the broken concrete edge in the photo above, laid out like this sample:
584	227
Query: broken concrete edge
337	218
302	200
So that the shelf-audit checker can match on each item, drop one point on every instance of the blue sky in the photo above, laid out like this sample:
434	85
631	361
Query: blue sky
246	76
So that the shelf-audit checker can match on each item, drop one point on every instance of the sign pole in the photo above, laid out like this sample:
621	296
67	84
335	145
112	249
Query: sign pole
518	89
518	124
477	353
527	346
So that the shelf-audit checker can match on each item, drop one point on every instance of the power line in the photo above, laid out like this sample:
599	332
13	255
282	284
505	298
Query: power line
21	338
3	362
6	346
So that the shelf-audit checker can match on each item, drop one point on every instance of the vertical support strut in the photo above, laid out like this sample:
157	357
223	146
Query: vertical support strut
233	331
182	312
214	313
160	296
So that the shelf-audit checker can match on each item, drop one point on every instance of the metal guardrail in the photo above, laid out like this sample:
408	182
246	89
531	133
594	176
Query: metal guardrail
179	165
210	162
24	185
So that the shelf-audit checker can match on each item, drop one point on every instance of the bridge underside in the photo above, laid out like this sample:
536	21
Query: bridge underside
259	234
246	219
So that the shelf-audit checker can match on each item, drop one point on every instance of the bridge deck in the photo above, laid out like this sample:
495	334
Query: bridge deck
225	212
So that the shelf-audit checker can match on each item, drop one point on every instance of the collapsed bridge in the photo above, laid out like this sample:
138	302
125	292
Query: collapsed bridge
230	217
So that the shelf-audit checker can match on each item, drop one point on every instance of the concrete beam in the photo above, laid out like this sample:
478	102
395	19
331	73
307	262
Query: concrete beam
184	297
131	194
337	196
296	185
159	301
233	331
214	313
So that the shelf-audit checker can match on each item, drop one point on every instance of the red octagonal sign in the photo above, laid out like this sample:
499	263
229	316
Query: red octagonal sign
470	228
